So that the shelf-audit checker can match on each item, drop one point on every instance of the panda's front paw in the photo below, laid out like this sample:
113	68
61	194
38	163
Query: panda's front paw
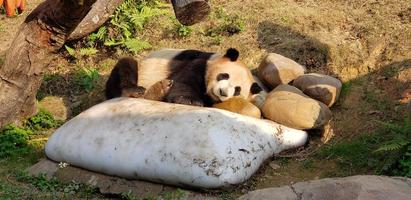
166	84
134	92
187	101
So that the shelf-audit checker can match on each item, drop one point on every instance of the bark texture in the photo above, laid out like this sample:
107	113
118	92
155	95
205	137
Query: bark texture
97	16
43	32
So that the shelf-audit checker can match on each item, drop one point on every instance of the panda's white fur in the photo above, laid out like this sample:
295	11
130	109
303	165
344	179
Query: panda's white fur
240	76
160	64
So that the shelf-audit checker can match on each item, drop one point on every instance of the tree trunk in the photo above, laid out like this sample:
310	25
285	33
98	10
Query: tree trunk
43	32
189	12
98	15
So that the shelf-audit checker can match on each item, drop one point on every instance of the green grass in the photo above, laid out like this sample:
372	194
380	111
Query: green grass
387	151
308	164
14	140
345	89
182	30
175	195
376	100
226	24
19	149
86	79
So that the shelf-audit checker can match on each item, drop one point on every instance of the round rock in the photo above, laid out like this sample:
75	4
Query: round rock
276	69
240	106
56	106
321	87
289	106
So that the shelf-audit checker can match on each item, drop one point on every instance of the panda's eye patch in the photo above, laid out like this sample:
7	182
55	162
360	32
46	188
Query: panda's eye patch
255	88
237	91
223	76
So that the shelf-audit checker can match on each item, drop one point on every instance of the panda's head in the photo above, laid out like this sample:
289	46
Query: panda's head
227	77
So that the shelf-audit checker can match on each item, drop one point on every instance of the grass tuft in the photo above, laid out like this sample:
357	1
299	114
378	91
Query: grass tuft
387	151
86	79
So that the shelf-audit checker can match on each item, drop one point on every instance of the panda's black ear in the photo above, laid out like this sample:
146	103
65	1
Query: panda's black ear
232	54
255	88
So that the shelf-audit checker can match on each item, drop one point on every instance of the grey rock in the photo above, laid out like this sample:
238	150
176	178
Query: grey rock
289	106
321	87
361	187
276	69
108	184
45	166
280	193
56	106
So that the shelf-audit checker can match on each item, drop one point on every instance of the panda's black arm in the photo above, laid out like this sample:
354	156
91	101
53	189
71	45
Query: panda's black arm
183	93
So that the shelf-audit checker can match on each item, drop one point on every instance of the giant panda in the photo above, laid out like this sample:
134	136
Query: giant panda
199	78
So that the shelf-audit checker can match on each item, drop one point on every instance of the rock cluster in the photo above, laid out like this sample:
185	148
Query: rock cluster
298	100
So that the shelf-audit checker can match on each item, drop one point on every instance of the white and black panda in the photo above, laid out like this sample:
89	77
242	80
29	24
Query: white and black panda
199	78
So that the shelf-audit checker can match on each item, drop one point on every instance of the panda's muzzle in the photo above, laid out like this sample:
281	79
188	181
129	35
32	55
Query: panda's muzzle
223	93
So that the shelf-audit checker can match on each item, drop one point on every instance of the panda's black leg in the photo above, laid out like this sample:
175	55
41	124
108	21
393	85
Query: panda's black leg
181	93
186	100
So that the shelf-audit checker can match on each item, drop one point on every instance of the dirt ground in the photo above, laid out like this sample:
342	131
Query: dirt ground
366	44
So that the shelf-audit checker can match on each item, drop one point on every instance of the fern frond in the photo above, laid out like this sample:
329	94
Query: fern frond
88	51
70	51
136	45
394	145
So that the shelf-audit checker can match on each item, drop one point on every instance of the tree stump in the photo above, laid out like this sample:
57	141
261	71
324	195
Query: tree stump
41	35
98	15
189	12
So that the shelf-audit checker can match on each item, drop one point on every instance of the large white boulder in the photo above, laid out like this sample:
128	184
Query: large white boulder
170	143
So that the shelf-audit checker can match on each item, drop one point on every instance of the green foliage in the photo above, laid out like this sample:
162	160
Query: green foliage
48	80
128	196
176	195
226	196
387	151
354	154
308	164
41	121
44	184
51	77
398	146
86	78
375	99
14	141
135	45
180	29
126	24
88	51
40	181
183	31
100	35
227	24
284	161
345	88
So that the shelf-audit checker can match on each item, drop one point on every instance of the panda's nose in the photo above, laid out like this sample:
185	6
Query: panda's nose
223	93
